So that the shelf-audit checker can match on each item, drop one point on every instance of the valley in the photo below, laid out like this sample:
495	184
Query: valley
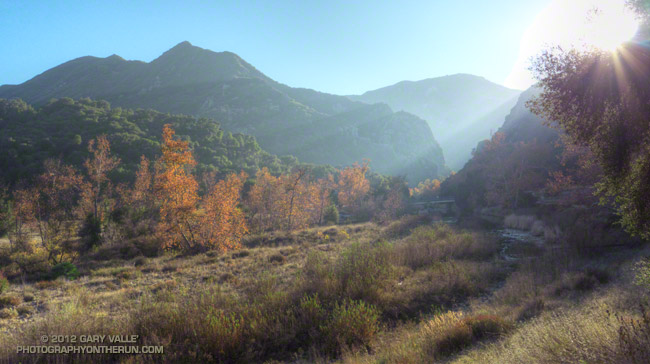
182	206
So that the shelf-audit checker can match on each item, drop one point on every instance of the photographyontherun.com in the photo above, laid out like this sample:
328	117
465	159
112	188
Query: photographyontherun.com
71	344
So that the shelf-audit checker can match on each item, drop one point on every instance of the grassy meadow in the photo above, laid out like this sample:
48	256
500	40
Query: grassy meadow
411	291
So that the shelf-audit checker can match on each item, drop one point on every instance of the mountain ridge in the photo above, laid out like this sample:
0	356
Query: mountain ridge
221	85
461	109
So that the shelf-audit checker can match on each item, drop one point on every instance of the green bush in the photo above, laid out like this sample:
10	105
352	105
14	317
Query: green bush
353	323
65	269
331	215
4	283
641	276
363	271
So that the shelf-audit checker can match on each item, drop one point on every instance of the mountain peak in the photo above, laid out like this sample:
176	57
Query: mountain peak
114	57
186	63
183	45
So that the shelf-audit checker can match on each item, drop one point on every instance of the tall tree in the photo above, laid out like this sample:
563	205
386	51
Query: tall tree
176	191
96	203
353	185
55	198
223	224
601	100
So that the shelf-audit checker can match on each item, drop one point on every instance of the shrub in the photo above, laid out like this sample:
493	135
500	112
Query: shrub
641	274
310	316
170	268
9	301
48	284
277	259
405	224
363	270
634	337
531	309
25	310
443	335
428	245
331	215
450	333
241	254
487	326
4	283
28	297
8	313
352	323
65	269
140	261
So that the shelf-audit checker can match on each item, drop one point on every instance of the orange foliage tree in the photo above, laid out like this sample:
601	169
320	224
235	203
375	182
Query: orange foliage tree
264	200
353	185
187	223
223	224
287	202
140	197
176	191
427	189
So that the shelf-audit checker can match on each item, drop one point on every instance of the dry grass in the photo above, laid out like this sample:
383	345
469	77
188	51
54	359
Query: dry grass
341	293
431	244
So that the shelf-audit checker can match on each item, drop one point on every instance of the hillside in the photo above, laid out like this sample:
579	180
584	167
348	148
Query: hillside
222	86
503	171
521	125
62	129
461	109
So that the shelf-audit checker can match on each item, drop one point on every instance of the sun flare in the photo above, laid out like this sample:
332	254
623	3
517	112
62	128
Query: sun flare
604	24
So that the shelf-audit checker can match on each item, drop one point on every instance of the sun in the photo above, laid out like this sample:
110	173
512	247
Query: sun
608	25
603	24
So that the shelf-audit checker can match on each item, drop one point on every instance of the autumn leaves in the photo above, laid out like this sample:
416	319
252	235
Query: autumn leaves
188	222
71	212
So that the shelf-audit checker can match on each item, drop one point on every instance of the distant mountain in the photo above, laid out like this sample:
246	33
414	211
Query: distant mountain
313	126
460	109
506	172
521	125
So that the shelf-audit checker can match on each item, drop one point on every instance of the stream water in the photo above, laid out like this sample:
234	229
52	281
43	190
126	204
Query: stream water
516	244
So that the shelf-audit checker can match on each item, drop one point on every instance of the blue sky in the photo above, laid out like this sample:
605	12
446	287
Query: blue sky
341	47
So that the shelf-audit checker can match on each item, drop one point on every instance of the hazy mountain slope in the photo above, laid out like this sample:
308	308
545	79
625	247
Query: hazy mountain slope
460	109
195	81
521	125
62	129
373	132
520	162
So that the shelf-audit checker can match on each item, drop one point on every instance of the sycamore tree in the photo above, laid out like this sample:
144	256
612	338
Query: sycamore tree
290	201
188	222
52	205
96	201
353	186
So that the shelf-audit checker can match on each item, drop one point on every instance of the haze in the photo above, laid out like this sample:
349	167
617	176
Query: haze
331	46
